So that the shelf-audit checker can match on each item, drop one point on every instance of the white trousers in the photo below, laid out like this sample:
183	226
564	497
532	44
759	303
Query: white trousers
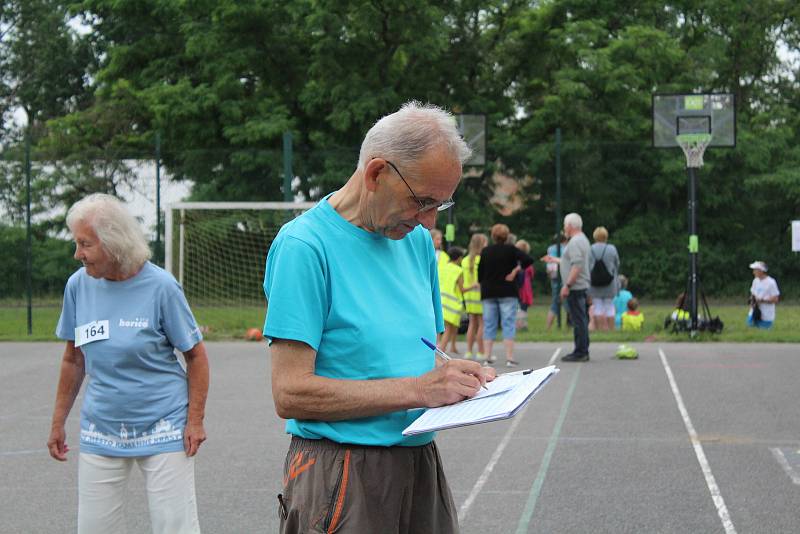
169	481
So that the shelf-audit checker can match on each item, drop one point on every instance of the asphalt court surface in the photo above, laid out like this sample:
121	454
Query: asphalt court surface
690	438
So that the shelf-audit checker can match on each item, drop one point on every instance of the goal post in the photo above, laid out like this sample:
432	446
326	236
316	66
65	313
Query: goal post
217	250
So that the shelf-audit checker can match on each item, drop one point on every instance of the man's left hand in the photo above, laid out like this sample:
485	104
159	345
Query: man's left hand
564	292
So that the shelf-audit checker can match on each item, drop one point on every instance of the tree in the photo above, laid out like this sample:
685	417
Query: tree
221	81
44	69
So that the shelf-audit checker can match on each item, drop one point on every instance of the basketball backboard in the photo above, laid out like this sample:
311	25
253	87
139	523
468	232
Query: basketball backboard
473	130
691	114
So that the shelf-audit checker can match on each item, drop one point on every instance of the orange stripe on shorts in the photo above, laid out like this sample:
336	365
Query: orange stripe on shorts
342	490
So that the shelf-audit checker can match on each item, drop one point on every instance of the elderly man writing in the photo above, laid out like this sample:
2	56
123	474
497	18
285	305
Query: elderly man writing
352	287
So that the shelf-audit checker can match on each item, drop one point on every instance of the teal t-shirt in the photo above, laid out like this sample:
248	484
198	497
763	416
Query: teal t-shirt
362	302
137	394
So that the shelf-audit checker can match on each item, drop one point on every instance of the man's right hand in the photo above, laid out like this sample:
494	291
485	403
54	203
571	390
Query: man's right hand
453	382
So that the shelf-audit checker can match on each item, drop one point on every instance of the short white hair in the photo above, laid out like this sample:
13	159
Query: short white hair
404	136
573	220
119	233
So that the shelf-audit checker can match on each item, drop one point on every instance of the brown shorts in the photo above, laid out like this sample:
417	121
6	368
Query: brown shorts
329	487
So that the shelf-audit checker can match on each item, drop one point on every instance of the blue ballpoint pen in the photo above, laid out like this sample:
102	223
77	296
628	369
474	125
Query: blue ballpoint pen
442	354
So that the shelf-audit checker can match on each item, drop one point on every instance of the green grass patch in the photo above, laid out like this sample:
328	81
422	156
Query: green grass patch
218	323
231	323
786	328
14	323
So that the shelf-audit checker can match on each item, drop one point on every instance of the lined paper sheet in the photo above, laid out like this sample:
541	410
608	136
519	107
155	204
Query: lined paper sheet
491	407
501	384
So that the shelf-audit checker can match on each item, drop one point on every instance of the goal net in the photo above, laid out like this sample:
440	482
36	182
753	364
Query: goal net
218	250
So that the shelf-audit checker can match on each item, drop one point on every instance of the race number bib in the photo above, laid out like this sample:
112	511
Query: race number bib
94	331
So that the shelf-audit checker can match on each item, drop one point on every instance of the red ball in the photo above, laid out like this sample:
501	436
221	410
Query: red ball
254	334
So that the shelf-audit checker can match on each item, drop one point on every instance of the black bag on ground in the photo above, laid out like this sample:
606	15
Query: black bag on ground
600	276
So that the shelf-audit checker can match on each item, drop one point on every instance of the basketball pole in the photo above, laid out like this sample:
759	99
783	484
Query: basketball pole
288	173
28	237
159	256
559	224
693	248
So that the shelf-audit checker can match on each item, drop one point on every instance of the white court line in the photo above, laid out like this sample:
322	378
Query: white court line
784	463
711	482
27	451
25	413
498	452
554	356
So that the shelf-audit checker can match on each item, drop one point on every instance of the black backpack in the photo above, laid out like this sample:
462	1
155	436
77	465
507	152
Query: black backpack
600	276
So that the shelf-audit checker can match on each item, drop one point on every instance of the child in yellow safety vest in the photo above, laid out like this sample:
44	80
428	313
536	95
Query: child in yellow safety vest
442	259
451	286
633	319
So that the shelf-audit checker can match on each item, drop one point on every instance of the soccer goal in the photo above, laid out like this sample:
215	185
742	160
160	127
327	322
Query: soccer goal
218	250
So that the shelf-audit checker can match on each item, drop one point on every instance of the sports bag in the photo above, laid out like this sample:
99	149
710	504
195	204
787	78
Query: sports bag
600	276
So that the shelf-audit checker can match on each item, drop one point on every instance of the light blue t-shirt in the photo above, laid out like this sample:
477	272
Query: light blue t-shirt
136	397
362	302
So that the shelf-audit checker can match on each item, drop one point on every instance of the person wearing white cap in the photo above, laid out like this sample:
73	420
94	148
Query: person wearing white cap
764	294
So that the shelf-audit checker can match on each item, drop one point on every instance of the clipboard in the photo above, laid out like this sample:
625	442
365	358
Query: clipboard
506	396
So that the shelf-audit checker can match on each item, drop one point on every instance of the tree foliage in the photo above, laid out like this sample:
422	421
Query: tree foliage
221	81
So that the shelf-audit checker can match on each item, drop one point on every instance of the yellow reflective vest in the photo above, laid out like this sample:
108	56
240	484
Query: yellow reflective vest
472	297
451	296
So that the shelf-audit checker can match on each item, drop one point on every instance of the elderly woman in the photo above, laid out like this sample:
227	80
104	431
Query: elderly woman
122	320
603	309
499	294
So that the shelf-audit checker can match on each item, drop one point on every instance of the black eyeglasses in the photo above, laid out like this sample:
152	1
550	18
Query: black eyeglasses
424	206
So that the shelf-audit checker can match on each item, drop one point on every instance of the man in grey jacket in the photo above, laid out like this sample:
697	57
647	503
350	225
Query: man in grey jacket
574	267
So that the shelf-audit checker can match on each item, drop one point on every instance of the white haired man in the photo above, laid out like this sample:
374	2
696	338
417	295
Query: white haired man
122	320
352	286
574	270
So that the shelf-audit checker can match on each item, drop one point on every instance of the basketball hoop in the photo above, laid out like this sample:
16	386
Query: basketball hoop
694	122
694	146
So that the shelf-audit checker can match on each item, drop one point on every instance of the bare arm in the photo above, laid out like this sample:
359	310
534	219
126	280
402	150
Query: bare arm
197	375
460	283
300	394
513	273
69	384
572	277
574	272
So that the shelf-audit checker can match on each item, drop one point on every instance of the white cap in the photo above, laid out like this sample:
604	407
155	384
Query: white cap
760	265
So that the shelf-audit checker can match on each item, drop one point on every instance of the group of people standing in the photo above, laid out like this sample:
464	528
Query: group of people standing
485	282
493	281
